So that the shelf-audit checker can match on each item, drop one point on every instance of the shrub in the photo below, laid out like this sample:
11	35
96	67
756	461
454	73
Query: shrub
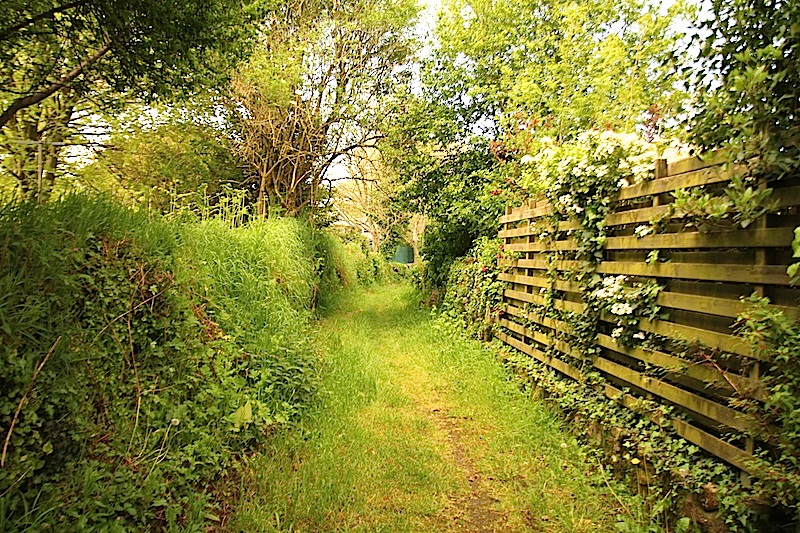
140	356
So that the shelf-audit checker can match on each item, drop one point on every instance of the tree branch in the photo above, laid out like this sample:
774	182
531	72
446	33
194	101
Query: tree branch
5	33
35	98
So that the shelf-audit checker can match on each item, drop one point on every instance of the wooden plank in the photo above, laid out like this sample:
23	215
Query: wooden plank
685	180
526	213
516	232
635	216
714	306
719	413
541	338
767	275
712	339
715	446
701	304
756	274
547	322
575	307
689	164
540	356
720	379
759	238
541	282
756	238
544	264
786	197
543	246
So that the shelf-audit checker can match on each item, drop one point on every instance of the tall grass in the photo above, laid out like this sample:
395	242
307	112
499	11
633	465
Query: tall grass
141	355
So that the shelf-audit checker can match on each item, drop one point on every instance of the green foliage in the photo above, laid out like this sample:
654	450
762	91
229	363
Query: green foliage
748	82
635	446
560	67
314	91
793	271
458	211
741	203
776	339
473	295
581	178
141	356
154	48
163	166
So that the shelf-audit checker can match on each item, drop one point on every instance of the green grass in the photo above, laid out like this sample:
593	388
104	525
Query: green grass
419	430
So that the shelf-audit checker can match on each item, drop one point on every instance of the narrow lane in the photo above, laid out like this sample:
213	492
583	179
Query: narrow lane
420	430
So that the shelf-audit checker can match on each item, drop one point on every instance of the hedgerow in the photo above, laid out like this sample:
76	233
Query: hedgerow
139	357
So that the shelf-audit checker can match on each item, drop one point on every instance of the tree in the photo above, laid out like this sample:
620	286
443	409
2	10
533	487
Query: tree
747	78
143	47
311	93
62	63
161	162
560	67
34	141
365	199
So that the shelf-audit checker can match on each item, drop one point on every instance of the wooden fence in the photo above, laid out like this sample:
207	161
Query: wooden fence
703	276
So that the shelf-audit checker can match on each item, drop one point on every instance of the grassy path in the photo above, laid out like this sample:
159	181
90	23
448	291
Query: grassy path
420	431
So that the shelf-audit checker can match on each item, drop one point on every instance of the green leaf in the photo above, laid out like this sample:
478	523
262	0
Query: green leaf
242	416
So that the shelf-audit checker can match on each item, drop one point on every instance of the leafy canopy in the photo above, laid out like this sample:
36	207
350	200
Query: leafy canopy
144	47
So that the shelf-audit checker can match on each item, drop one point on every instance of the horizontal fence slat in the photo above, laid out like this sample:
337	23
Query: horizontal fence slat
565	305
552	323
516	232
724	450
714	306
715	377
712	339
786	197
636	216
693	402
540	356
755	274
526	213
757	238
689	164
686	180
541	338
540	282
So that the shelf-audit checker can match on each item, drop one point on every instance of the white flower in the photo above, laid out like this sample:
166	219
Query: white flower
638	335
617	333
526	159
621	309
643	230
623	183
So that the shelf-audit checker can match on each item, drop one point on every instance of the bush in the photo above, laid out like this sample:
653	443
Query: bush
141	356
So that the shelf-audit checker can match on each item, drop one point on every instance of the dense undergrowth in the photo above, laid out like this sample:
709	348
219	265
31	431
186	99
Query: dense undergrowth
141	356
